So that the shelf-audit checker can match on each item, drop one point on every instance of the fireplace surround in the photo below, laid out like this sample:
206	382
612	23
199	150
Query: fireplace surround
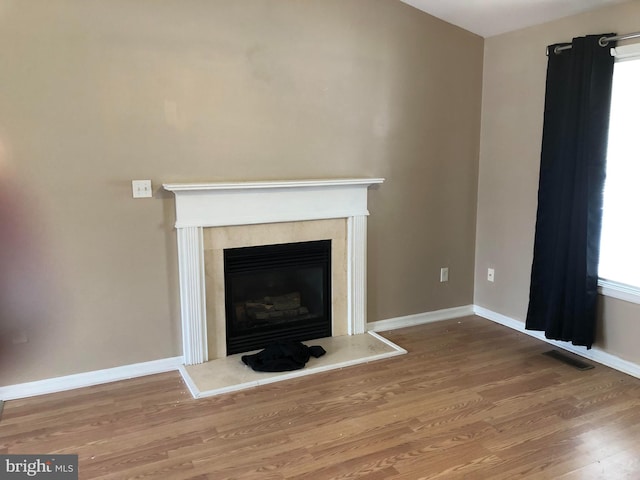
271	206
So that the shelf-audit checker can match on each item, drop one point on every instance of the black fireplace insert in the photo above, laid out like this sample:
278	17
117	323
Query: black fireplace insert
277	292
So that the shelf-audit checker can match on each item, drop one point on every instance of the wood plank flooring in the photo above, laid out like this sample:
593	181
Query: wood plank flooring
470	400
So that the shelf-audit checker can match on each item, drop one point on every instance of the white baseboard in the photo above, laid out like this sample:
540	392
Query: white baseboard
595	354
87	379
420	318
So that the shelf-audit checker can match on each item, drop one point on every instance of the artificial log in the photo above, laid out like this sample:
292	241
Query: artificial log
290	301
275	314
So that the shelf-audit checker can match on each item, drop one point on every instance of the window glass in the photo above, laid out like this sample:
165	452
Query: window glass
620	240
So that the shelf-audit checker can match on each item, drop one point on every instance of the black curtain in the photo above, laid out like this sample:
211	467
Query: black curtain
564	274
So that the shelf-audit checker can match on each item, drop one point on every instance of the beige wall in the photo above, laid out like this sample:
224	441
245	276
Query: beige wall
94	94
512	112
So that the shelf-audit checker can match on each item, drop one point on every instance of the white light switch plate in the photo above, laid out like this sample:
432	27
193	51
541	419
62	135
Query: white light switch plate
141	188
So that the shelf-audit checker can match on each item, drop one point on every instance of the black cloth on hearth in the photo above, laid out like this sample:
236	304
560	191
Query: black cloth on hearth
282	356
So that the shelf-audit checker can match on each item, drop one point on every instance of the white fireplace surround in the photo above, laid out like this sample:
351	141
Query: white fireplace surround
202	205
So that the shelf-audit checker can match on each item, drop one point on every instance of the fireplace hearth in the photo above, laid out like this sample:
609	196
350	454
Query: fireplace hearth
277	292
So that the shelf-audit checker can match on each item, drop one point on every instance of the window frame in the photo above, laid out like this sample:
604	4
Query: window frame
618	290
606	287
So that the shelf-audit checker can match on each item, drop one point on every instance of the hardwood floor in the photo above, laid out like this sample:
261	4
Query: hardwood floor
471	400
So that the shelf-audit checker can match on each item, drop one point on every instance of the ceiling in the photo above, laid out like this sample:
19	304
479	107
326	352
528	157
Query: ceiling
493	17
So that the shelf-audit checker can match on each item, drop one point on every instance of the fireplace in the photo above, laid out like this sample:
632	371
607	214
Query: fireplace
277	292
215	216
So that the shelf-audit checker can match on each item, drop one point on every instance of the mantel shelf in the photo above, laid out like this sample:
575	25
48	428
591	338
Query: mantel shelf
189	187
246	203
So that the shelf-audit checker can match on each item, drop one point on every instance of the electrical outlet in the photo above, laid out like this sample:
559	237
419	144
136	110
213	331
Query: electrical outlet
444	274
490	274
141	188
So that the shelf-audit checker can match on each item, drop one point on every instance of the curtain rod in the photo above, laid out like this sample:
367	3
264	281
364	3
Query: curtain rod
603	42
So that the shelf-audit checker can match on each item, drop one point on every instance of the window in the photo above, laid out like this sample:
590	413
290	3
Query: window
619	268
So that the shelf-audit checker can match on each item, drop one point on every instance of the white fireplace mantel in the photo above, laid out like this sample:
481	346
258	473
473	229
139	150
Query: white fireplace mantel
201	205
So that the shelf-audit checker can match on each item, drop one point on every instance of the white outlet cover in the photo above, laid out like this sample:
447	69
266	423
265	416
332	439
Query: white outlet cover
444	274
491	274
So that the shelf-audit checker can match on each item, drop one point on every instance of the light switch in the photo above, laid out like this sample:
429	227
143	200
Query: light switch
141	188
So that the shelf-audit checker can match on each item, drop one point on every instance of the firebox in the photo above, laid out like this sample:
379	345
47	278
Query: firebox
277	292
